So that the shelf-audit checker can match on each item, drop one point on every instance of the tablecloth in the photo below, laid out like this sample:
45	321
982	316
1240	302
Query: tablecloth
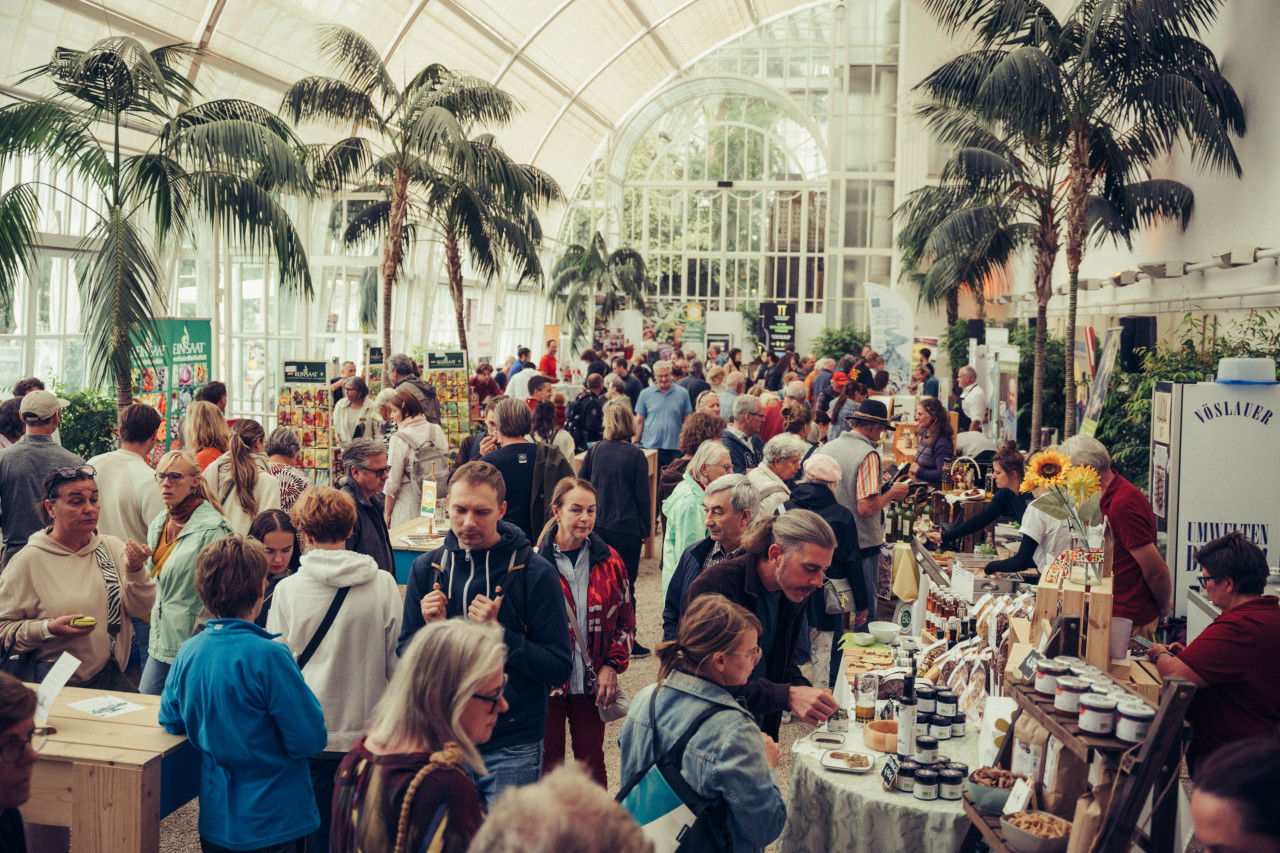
852	813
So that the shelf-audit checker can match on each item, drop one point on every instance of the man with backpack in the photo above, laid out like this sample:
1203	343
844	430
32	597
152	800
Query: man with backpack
488	571
585	418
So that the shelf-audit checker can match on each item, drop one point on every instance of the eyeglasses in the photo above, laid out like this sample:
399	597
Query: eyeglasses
1202	580
68	475
754	654
13	746
171	477
377	472
492	700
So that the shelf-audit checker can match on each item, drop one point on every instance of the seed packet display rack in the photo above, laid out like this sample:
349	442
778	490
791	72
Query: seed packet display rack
1143	770
447	372
305	404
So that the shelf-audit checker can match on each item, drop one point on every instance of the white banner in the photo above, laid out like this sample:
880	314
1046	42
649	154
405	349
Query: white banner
892	333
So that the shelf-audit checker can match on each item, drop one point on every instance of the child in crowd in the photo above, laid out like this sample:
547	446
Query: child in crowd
241	700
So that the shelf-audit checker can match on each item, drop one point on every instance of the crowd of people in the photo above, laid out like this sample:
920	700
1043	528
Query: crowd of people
333	712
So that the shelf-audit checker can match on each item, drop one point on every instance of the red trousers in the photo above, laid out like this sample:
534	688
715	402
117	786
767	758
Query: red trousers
586	728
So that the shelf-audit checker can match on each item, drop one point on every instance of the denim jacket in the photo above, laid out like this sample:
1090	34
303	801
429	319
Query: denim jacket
724	759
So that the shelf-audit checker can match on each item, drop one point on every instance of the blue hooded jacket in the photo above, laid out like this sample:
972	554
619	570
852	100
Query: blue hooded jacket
533	619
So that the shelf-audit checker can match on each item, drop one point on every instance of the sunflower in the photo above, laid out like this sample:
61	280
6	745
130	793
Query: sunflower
1047	469
1081	482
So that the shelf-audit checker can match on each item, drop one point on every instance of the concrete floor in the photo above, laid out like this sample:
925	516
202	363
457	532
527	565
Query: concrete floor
178	832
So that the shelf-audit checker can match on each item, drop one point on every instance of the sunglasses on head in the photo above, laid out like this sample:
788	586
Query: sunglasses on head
71	474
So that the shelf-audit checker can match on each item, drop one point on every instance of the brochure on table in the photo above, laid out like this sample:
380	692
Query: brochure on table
305	404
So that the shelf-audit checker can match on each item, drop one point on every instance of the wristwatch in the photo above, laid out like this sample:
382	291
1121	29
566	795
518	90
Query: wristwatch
1164	652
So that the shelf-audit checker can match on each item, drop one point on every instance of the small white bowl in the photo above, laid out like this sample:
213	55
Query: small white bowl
884	632
863	639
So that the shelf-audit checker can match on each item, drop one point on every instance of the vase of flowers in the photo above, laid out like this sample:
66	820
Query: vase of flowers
1072	493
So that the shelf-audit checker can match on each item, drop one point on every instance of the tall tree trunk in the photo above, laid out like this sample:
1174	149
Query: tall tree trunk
1037	375
953	306
453	264
1078	182
393	252
124	388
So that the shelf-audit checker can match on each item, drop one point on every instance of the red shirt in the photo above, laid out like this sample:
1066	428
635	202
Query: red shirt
547	366
1133	525
772	423
1238	657
484	386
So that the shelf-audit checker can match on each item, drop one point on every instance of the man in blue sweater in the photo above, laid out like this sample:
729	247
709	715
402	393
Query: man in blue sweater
488	571
240	699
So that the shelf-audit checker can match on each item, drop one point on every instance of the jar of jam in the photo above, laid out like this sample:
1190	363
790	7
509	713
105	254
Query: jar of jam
950	784
1047	674
959	767
1133	721
945	703
1097	713
927	749
926	787
940	727
907	775
1067	698
958	726
926	699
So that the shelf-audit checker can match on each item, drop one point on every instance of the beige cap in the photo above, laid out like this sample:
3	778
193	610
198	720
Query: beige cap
40	406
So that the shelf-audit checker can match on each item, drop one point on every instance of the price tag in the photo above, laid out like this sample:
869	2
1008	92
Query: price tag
54	681
962	583
889	773
1027	669
1019	796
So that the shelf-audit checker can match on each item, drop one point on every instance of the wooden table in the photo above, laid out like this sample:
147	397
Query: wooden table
110	781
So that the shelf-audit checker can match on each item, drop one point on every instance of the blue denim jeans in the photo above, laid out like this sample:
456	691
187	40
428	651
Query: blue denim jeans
154	675
141	637
509	767
324	770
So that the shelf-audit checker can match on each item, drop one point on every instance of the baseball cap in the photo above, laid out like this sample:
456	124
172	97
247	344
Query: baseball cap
839	376
40	405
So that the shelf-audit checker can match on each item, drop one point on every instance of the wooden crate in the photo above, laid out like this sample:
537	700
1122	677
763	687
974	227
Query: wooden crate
1092	606
1139	677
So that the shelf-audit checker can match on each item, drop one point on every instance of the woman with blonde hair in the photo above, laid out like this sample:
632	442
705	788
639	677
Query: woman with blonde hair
192	519
205	432
405	786
416	449
240	478
727	759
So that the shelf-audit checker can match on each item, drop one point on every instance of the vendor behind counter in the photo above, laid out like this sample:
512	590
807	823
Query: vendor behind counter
1008	503
1235	662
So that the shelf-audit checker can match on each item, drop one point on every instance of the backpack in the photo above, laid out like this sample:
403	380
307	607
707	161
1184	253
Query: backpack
421	458
579	417
672	815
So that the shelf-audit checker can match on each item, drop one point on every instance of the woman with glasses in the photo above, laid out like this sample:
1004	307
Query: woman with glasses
19	743
686	520
728	759
602	626
73	590
192	519
407	785
348	669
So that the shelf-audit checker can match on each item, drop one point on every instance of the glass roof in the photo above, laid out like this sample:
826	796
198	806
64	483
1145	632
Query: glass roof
579	67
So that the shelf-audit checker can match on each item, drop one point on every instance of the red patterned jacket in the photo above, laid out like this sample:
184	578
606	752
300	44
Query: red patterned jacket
611	615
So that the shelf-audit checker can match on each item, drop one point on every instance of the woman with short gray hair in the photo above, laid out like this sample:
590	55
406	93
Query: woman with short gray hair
686	522
408	783
284	452
772	477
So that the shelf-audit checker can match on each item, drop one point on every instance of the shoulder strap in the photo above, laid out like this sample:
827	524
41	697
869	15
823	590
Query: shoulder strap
675	753
331	614
592	677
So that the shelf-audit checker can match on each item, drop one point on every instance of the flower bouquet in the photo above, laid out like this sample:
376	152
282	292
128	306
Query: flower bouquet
1073	493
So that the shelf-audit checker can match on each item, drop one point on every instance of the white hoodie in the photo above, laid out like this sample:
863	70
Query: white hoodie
353	663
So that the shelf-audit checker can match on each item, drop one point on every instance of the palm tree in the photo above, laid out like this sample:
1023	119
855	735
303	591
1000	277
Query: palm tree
415	149
1113	85
221	161
584	272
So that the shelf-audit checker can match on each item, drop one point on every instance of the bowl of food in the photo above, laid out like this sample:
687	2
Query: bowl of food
1035	832
863	639
884	632
989	788
881	735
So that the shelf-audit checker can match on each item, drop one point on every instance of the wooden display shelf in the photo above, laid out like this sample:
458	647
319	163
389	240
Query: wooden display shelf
988	825
1063	726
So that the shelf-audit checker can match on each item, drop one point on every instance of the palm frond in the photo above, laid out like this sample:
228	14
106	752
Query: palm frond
435	128
335	166
250	214
368	225
370	284
357	60
1171	104
330	101
471	100
119	292
49	131
241	147
19	217
160	184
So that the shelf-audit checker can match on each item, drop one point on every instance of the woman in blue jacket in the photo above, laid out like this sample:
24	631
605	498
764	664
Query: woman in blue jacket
728	758
241	701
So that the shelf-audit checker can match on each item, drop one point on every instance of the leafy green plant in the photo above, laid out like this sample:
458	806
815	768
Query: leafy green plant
584	272
1024	338
224	162
955	340
751	329
837	342
88	424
